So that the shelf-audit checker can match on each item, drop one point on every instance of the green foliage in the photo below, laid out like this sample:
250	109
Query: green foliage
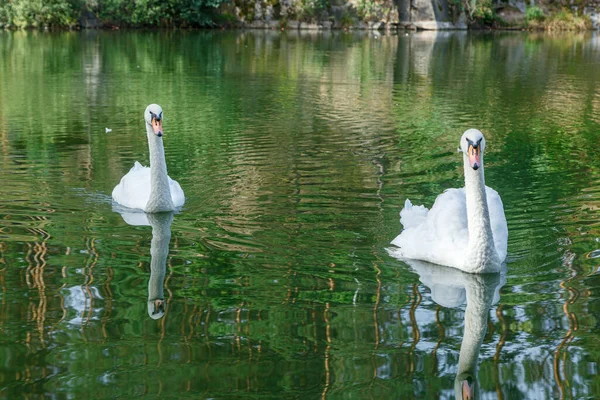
534	13
369	10
565	20
561	20
486	16
347	20
158	13
139	13
39	13
310	10
481	11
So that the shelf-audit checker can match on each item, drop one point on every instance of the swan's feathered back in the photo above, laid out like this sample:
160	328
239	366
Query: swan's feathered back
441	235
134	189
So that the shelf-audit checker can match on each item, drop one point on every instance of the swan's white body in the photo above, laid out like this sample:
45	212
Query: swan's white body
134	190
466	228
150	189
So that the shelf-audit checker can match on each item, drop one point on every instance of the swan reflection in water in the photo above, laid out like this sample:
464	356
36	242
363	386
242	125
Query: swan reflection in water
159	250
450	288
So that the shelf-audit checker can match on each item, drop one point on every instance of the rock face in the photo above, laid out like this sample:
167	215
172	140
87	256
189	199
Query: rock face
351	14
431	15
593	11
381	14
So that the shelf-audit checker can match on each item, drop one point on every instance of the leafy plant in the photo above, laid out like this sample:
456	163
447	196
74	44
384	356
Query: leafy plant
158	13
65	13
534	13
566	20
369	10
309	10
480	11
347	20
39	13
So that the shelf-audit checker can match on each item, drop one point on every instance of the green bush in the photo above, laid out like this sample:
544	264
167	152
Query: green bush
560	20
309	10
158	13
534	13
369	10
138	13
39	13
565	20
481	12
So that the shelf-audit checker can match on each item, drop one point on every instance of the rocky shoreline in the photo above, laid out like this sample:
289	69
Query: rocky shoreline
386	15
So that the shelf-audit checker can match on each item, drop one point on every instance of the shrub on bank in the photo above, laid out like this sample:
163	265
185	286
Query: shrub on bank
561	20
566	20
534	14
157	13
39	13
138	13
201	13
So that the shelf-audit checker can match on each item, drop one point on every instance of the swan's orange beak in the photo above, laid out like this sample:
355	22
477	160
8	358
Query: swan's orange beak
157	126
159	306
474	153
468	390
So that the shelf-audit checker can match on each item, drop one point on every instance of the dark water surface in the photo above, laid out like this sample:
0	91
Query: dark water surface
296	153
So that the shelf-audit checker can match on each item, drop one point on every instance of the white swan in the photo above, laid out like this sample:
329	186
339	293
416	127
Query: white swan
466	228
150	189
450	288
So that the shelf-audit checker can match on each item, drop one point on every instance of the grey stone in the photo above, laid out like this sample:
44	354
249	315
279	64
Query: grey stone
88	20
256	25
375	26
258	10
594	13
268	13
518	4
325	25
272	24
309	26
293	24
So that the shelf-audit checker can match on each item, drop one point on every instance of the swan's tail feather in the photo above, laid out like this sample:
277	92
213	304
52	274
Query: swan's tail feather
395	252
412	215
136	166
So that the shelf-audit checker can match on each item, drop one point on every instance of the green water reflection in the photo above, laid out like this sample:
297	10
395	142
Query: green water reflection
296	153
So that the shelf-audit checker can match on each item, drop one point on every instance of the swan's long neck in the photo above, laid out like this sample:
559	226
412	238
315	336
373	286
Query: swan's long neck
159	251
160	192
481	253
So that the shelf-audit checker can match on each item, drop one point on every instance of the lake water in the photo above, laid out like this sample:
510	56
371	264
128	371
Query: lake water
296	154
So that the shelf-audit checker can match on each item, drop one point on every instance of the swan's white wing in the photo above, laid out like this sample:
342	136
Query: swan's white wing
176	193
134	189
442	235
498	222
